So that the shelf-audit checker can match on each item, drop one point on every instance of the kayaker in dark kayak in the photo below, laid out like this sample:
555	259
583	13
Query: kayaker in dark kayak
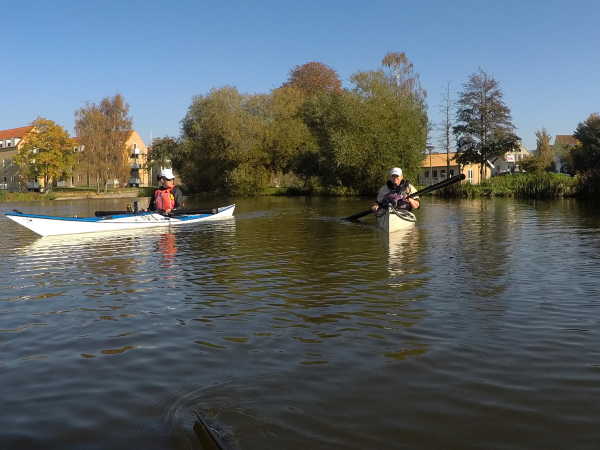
168	196
395	192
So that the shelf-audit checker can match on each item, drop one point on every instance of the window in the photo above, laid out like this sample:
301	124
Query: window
435	174
470	174
427	174
451	172
443	173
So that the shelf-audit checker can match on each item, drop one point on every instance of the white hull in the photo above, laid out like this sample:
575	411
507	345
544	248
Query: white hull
52	226
394	220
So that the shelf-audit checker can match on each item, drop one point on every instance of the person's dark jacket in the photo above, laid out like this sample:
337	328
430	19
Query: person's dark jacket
177	194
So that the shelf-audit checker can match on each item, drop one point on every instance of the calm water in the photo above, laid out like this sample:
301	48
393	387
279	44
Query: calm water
289	329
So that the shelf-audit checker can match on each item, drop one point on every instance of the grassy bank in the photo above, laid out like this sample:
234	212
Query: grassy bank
74	193
24	196
542	185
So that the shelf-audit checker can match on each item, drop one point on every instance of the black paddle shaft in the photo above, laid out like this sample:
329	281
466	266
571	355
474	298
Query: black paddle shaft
433	187
177	212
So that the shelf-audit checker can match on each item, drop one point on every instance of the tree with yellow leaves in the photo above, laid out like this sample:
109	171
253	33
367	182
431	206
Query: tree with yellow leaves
47	153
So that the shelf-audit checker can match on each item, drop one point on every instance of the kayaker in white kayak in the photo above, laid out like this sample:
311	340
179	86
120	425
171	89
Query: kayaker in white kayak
395	192
168	196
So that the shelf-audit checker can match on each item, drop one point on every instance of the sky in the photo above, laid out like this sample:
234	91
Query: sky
57	56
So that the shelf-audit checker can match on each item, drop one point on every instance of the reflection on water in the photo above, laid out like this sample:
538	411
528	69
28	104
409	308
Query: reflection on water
403	247
288	328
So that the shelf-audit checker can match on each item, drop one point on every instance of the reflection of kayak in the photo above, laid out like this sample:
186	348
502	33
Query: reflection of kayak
391	219
53	225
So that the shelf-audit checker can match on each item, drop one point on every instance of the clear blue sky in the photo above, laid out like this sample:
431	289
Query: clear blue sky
58	55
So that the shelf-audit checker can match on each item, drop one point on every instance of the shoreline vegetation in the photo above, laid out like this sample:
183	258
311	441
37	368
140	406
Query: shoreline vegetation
312	136
534	186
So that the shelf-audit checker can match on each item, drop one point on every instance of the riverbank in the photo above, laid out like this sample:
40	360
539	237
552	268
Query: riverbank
542	185
74	194
535	185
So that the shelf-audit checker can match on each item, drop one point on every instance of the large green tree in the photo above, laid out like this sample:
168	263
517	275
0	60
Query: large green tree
287	137
382	122
587	155
223	139
48	152
484	126
585	158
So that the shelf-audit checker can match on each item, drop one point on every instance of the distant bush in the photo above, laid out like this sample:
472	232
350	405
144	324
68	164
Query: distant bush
24	196
535	185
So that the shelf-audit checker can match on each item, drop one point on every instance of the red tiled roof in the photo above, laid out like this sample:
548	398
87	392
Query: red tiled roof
15	132
565	139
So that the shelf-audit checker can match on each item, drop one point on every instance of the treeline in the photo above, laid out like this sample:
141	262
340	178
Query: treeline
309	134
581	159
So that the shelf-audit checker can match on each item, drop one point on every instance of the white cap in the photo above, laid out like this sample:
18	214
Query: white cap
396	171
167	173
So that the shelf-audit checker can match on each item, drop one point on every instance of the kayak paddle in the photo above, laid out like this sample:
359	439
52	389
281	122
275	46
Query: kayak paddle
433	187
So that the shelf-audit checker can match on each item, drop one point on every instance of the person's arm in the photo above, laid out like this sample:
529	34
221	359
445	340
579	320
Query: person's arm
380	195
152	204
413	201
178	194
383	190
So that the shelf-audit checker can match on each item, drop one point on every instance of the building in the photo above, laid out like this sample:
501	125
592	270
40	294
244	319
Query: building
11	141
434	167
510	161
139	173
565	140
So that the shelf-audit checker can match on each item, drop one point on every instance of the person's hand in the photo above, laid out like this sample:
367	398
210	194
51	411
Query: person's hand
374	207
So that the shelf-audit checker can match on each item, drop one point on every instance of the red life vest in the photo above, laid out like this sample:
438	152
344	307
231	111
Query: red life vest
164	199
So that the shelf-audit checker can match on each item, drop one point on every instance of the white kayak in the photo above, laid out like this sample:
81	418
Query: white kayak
390	219
53	225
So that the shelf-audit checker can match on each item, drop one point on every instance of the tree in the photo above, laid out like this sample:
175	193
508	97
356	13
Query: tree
286	135
103	130
484	128
314	78
543	159
223	138
381	123
48	152
401	72
586	157
164	152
